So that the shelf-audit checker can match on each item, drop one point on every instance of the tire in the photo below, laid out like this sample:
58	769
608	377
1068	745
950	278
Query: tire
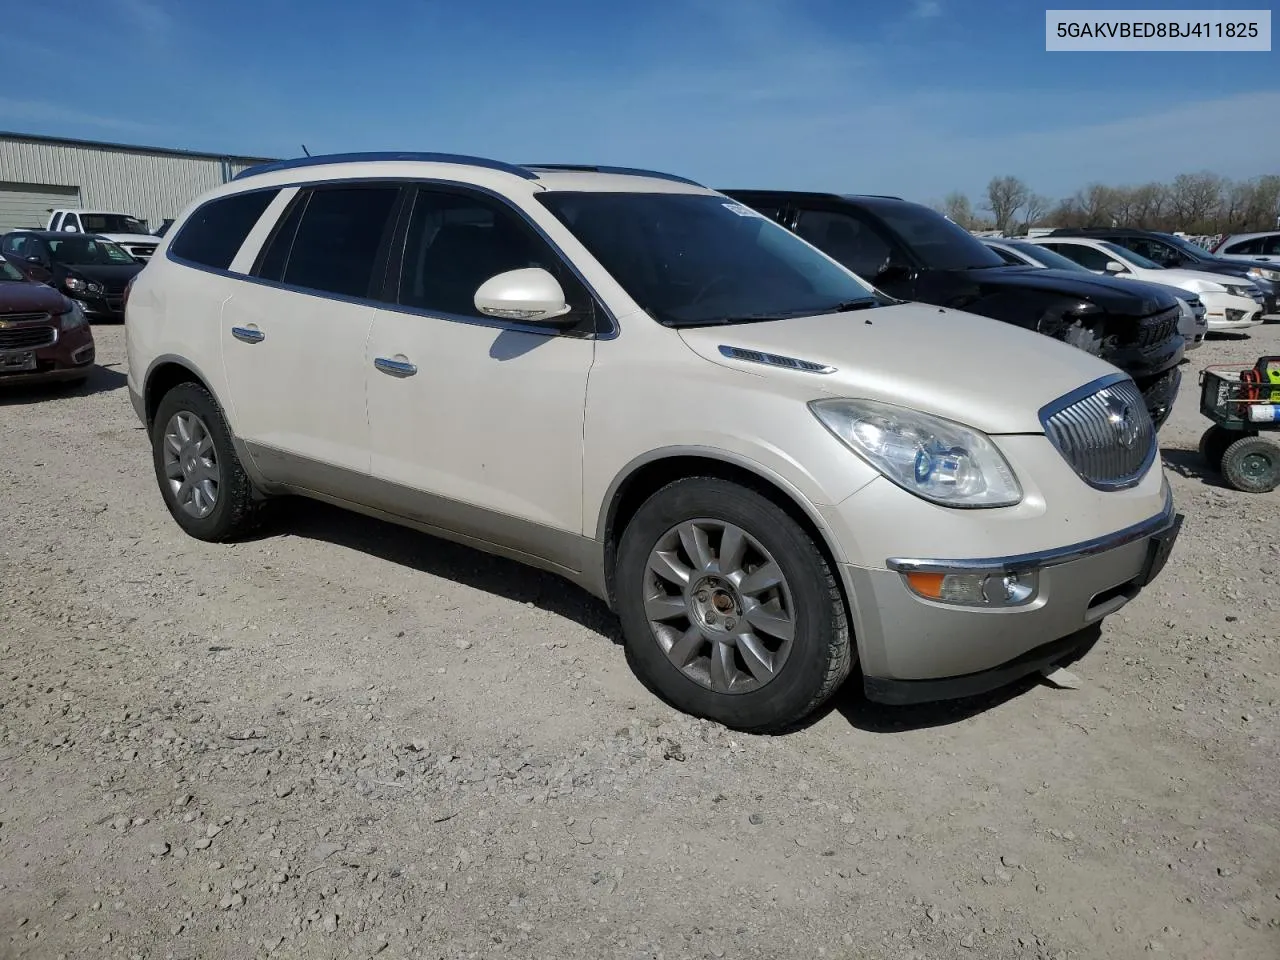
232	511
1214	443
772	683
1252	464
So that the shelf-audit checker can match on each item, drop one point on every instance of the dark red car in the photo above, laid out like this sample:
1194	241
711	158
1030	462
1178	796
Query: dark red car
43	335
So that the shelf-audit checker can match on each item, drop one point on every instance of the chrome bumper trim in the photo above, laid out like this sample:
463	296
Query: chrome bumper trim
1044	558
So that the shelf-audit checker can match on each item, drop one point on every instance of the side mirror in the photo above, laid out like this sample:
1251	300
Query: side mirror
1115	266
531	294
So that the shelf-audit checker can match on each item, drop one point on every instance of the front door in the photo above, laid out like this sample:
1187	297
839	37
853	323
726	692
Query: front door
294	343
476	423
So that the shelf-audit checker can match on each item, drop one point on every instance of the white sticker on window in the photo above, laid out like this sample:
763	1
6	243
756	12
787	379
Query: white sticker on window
740	210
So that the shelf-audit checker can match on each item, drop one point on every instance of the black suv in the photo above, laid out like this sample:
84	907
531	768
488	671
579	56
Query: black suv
914	253
1170	251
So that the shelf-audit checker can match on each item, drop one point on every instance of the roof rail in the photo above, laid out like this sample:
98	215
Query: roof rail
623	171
374	156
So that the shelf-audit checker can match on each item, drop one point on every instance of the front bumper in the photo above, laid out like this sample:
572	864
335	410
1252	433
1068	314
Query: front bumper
69	356
914	650
107	307
1227	312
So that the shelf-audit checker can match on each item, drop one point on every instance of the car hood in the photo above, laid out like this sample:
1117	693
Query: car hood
110	274
22	296
130	237
1112	295
1181	277
984	373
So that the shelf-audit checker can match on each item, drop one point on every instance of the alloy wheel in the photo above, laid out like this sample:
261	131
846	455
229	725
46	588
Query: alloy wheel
191	464
719	606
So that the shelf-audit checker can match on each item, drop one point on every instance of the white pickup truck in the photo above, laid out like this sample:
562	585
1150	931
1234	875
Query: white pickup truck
127	231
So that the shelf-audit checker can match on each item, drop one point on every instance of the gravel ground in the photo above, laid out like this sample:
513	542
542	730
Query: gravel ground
345	740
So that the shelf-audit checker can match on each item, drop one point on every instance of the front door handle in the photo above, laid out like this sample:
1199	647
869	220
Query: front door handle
248	334
397	368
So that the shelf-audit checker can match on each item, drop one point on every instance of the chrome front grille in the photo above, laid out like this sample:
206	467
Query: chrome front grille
27	338
1104	432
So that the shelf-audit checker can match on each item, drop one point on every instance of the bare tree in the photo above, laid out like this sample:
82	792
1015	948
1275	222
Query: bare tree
1196	200
1097	205
1263	212
1198	203
1034	209
1148	206
958	207
1005	196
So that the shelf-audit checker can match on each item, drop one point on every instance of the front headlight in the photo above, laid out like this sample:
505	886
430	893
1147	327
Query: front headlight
936	459
73	318
1262	273
1242	290
90	287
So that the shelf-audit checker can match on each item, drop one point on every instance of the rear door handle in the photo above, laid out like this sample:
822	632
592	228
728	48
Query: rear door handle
248	334
396	368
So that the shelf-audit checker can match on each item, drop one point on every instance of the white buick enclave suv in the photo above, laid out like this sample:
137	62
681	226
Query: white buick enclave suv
768	468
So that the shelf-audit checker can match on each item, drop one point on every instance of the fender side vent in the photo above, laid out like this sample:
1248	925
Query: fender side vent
773	360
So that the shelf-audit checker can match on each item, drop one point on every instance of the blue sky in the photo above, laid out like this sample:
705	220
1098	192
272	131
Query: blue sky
915	98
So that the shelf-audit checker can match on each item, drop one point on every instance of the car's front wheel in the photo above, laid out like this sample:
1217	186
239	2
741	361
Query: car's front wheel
729	609
203	483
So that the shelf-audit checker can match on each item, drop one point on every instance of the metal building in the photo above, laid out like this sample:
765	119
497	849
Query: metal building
40	173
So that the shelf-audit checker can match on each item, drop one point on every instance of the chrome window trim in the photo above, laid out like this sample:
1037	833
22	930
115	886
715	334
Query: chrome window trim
1044	558
610	333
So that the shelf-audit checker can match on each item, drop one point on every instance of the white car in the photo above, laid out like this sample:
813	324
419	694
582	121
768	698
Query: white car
1193	319
125	231
1255	247
1231	303
646	387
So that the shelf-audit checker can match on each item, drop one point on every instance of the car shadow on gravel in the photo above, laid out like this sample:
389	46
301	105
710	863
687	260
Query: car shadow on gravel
449	561
1189	463
865	715
100	380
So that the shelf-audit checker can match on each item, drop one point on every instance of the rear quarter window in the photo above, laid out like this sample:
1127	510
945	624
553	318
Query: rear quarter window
213	234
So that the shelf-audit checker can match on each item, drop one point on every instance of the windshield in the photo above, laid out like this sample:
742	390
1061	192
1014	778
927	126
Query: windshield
693	259
940	243
9	272
1048	258
84	251
1124	254
111	223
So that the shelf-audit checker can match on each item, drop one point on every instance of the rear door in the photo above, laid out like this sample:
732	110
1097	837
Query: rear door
294	339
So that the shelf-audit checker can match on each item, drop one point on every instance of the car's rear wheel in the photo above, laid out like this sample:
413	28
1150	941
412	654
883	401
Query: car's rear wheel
729	609
201	478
